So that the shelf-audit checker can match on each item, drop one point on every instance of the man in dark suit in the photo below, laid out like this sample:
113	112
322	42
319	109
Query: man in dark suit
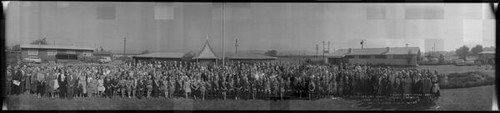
62	83
16	79
72	82
107	85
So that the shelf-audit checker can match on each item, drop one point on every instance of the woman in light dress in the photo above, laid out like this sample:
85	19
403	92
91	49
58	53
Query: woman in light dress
93	86
202	88
128	84
52	84
187	87
82	84
100	86
56	84
165	86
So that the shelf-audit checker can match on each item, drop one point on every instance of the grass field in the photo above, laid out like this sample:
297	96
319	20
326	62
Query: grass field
446	69
473	98
476	98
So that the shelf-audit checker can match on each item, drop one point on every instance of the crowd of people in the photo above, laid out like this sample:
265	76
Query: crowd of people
234	80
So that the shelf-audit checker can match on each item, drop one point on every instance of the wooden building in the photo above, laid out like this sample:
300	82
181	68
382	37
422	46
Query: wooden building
407	56
159	56
49	52
486	57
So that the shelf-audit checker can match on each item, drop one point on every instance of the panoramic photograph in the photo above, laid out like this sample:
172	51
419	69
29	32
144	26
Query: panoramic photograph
249	56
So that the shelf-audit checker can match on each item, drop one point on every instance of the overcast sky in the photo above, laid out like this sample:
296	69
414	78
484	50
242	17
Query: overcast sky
183	27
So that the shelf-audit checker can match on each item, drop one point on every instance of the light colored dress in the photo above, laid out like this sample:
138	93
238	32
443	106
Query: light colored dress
187	86
90	85
55	84
83	84
164	85
100	85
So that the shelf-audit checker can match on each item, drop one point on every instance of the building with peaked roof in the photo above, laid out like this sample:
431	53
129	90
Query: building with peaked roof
206	54
160	56
486	57
387	56
49	52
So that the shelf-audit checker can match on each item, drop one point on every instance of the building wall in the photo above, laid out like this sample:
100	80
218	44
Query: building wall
390	60
45	56
485	58
337	60
299	59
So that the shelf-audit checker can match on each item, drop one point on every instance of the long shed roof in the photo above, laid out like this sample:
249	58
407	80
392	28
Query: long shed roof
249	56
375	51
31	46
161	55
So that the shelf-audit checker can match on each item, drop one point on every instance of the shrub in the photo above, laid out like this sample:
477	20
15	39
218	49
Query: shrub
467	79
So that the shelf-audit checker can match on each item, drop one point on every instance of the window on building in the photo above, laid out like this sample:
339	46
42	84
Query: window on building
400	56
87	54
33	52
350	57
364	56
51	52
71	52
381	56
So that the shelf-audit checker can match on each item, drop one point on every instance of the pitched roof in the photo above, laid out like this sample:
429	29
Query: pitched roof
367	51
375	51
161	55
250	56
402	50
487	52
55	47
206	52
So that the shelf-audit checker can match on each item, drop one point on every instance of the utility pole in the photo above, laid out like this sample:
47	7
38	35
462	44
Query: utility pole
323	48
223	29
328	50
124	45
362	41
317	48
434	47
236	45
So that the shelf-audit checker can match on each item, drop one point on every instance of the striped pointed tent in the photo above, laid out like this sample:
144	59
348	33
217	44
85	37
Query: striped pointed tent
206	53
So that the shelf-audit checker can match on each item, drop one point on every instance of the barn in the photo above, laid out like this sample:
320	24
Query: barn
407	56
49	52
